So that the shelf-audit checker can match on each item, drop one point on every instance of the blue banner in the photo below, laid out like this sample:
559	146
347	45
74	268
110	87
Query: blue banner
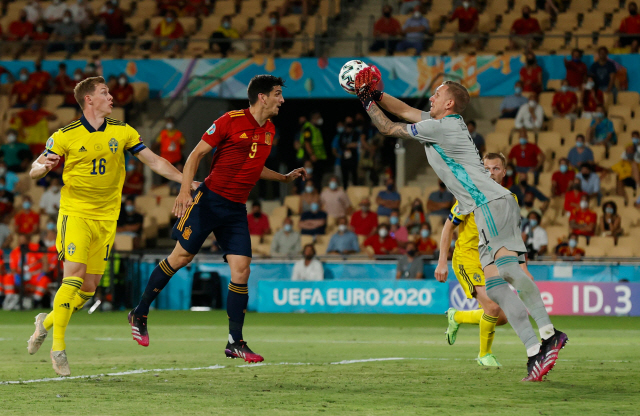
353	296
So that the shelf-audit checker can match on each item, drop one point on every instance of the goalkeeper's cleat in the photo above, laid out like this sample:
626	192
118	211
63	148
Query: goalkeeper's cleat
536	367
551	347
488	360
452	329
60	363
139	328
241	350
39	335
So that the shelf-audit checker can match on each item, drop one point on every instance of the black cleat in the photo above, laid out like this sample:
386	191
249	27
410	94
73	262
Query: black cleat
139	328
535	367
551	347
241	350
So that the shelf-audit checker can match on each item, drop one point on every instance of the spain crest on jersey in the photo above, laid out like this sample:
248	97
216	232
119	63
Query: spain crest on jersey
267	138
113	145
71	248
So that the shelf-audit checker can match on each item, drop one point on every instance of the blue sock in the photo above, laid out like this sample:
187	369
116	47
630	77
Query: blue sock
237	300
158	280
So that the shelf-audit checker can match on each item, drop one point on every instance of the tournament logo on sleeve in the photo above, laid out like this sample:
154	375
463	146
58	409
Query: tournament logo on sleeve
211	129
414	130
49	144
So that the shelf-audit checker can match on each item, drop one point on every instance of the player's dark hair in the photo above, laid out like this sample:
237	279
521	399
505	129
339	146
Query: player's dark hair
86	87
262	84
459	94
494	156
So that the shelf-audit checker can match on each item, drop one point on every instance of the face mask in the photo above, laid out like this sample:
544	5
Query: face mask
314	207
26	205
169	126
531	61
364	208
526	16
509	172
122	81
532	103
383	232
389	187
226	25
584	204
465	4
55	189
257	214
635	140
24	77
453	243
633	12
51	226
417	208
417	15
589	85
308	189
411	253
564	168
309	170
528	204
598	115
319	122
3	171
576	60
11	138
130	168
308	256
517	90
110	11
523	140
386	14
393	220
288	228
342	228
77	77
424	233
608	210
573	243
564	88
340	129
579	144
129	209
533	223
66	20
586	175
273	21
333	185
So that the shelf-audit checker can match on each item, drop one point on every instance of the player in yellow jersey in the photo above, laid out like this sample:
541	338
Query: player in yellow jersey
467	268
94	171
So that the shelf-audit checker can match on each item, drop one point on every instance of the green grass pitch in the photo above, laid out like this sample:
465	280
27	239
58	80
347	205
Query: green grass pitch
598	373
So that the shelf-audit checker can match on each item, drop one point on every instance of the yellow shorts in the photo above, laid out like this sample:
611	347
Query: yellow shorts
469	273
85	241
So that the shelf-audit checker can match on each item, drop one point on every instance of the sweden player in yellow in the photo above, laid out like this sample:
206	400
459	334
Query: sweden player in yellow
94	172
468	270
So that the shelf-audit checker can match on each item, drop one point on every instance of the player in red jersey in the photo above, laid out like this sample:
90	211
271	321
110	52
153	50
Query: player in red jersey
242	140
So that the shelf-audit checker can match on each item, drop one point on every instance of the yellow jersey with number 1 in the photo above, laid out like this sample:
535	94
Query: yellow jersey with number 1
94	166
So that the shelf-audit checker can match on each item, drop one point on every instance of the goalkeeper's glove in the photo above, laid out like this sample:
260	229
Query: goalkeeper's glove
366	86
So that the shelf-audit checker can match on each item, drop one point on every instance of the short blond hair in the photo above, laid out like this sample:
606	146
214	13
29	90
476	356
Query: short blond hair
459	94
86	87
494	156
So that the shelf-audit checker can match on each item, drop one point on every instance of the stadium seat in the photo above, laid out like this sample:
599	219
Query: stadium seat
567	21
118	114
145	8
497	44
497	142
277	216
293	203
383	219
553	41
145	203
556	234
305	239
592	250
505	125
549	141
628	98
562	126
408	195
581	126
356	193
149	227
123	242
618	123
252	8
328	8
592	21
224	8
441	45
51	102
633	124
621	111
554	84
162	190
486	22
65	116
620	251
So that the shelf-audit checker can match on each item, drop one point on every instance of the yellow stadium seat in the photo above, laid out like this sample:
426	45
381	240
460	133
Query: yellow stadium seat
140	92
497	44
487	22
118	113
292	23
188	24
562	126
581	126
325	8
567	21
505	125
593	21
408	195
123	242
293	203
441	45
592	251
618	123
633	124
554	84
621	111
555	234
628	98
145	8
52	101
620	251
356	193
497	141
224	8
306	239
553	41
252	8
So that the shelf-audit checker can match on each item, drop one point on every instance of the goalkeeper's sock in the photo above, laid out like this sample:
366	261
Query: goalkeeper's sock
62	309
237	300
468	317
157	281
78	303
487	332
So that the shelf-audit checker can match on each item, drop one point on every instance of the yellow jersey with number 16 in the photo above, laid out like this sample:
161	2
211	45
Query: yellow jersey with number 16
94	166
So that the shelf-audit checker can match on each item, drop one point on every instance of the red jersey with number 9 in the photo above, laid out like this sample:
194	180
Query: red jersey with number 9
242	147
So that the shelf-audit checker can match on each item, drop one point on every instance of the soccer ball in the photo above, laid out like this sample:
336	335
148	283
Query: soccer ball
347	77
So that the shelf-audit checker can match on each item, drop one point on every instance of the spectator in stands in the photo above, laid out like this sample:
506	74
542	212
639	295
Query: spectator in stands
610	221
344	241
258	220
39	37
527	157
11	179
511	104
570	251
468	20
275	36
415	29
477	138
170	142
22	91
309	197
40	79
386	30
334	199
167	33
522	188
415	217
592	98
510	176
6	201
123	95
381	243
427	246
6	238
624	170
65	36
601	131
134	178
48	237
50	200
534	236
54	12
589	181
562	178
130	222
440	202
630	27
347	152
19	30
411	265
308	269
61	80
286	241
224	36
311	146
300	184
573	196
32	125
16	155
580	153
530	115
313	222
115	25
33	10
565	102
81	13
583	221
397	230
364	222
27	221
603	70
528	207
576	71
408	6
525	32
531	74
388	199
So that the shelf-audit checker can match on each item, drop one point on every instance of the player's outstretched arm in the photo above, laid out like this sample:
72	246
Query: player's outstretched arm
43	165
400	109
386	126
184	199
442	270
270	175
159	165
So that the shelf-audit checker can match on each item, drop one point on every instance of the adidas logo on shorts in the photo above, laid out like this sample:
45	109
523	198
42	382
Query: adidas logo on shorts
66	306
82	149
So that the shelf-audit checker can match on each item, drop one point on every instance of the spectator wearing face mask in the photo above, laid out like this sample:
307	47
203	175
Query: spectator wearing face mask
167	33
468	20
565	102
416	217
624	170
415	28
534	236
123	95
592	98
311	145
130	222
6	201
511	104
583	221
397	230
522	188
344	241
630	27
573	196
477	138
610	221
385	31
308	269
313	222
603	70
363	221
562	178
425	243
510	176
286	241
54	12
10	178
276	36
347	152
527	157
15	154
531	115
81	13
22	92
388	199
440	201
300	184
50	200
411	265
601	131
134	178
523	33
258	220
570	250
580	153
381	243
576	71
27	221
531	73
527	207
223	36
308	197
334	199
589	181
171	141
48	238
65	36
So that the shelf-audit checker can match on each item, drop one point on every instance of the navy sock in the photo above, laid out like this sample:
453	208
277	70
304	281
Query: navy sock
237	300
158	280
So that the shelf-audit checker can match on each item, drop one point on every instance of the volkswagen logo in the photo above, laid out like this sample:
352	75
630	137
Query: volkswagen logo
458	299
